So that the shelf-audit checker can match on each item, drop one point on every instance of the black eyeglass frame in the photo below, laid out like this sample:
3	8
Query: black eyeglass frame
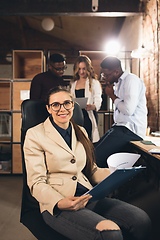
61	104
59	69
103	75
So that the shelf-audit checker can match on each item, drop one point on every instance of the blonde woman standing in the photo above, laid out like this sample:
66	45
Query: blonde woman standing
85	84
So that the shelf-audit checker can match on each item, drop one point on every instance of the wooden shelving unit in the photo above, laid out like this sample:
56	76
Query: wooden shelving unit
25	65
5	95
5	117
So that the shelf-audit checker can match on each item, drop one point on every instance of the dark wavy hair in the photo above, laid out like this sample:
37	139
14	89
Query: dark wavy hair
81	137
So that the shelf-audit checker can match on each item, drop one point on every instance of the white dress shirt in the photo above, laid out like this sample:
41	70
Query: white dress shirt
130	106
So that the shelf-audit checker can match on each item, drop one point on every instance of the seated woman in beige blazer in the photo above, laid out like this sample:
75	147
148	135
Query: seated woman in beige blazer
61	168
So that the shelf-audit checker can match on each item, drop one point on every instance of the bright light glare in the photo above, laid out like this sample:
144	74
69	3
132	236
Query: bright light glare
112	47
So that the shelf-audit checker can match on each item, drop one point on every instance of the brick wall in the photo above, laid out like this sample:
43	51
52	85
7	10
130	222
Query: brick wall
150	65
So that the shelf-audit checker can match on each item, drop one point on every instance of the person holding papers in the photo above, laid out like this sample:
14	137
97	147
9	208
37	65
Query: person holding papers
85	84
61	168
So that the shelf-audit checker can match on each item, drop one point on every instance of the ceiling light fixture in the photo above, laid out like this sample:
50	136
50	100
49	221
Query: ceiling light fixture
47	24
94	5
9	57
141	52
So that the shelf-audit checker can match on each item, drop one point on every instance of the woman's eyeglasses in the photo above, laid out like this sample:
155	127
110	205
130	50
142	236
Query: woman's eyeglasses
59	69
56	106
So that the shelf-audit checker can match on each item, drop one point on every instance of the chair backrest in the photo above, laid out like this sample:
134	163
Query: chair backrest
34	112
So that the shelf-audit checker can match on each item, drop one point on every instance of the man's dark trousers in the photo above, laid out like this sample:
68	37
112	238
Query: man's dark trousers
115	140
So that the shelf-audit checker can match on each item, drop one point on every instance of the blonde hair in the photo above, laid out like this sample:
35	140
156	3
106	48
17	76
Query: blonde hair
90	70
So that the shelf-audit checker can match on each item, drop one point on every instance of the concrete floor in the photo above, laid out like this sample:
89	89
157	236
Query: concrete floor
10	205
137	191
145	195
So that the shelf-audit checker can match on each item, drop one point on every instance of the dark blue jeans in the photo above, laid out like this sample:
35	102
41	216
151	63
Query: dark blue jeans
77	225
115	140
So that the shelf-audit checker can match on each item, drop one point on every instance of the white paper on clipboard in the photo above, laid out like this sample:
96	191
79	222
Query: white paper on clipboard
81	101
121	160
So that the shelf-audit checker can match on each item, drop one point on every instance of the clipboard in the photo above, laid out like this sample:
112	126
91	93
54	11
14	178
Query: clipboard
112	182
81	101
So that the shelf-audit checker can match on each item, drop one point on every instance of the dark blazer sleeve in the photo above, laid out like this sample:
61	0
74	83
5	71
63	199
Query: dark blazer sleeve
36	88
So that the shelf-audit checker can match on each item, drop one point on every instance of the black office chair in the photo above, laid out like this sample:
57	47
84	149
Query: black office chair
33	113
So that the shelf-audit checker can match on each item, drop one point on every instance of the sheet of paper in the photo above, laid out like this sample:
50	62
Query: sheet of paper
157	143
24	94
154	140
151	138
121	160
81	101
157	133
154	150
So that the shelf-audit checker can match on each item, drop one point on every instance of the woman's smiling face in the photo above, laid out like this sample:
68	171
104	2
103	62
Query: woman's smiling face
62	116
82	70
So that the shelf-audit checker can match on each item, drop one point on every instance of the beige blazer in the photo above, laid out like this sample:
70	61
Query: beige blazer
52	174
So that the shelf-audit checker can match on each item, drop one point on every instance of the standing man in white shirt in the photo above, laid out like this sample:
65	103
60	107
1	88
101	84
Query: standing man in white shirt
130	115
